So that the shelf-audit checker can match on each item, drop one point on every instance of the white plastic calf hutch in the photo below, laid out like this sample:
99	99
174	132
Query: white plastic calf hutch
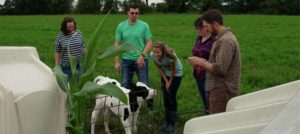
30	99
275	110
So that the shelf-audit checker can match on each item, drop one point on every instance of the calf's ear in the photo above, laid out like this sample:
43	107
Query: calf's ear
140	84
98	78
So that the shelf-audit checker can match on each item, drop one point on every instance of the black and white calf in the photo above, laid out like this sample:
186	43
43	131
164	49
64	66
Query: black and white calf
128	113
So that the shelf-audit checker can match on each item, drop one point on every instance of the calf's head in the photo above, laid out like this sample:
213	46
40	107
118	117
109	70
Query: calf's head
138	93
101	80
142	90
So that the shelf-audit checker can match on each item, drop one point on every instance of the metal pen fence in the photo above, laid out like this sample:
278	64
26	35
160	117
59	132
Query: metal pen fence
148	122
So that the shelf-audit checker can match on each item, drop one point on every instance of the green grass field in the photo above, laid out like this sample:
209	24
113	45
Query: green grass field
269	45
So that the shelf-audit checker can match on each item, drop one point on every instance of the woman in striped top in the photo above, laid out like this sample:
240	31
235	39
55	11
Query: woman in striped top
70	39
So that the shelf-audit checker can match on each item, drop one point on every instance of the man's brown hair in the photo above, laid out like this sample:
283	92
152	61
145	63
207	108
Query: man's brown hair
212	16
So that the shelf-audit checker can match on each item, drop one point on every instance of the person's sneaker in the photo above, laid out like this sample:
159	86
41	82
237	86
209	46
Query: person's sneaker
150	126
170	129
164	126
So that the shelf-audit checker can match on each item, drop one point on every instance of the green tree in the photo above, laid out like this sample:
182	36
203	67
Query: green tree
253	6
143	7
7	8
237	6
89	6
32	6
211	4
182	6
173	5
111	5
195	5
161	7
292	7
270	7
61	6
147	2
263	6
124	6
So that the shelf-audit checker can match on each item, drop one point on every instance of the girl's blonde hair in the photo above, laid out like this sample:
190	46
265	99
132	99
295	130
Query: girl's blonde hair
166	51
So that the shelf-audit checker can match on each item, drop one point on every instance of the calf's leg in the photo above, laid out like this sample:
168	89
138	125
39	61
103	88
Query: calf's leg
95	116
106	118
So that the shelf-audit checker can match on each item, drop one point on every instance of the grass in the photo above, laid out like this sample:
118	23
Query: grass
270	51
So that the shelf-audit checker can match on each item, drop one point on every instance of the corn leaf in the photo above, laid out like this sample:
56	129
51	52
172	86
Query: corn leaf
116	50
61	78
90	70
70	128
91	46
106	89
69	103
72	60
86	76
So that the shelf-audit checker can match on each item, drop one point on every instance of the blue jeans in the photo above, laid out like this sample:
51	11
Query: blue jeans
170	101
201	87
128	69
67	70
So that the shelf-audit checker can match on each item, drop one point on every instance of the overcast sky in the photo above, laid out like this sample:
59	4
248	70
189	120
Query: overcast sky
150	1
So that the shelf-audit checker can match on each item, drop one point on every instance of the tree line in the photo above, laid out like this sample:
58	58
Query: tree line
19	7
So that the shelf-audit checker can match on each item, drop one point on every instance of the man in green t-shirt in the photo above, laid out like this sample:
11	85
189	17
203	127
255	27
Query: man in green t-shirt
137	33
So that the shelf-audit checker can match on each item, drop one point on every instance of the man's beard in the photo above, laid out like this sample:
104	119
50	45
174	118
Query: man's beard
214	31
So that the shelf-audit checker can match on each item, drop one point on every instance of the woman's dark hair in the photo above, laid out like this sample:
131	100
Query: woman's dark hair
63	26
166	52
198	22
212	16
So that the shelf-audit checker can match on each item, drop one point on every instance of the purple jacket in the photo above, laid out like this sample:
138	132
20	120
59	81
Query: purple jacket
202	49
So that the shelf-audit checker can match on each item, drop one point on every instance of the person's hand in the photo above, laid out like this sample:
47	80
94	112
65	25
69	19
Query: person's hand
140	62
196	61
117	66
168	84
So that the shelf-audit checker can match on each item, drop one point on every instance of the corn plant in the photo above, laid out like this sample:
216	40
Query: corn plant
80	86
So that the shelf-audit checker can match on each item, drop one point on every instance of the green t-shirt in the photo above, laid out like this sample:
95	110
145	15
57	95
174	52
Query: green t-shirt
135	34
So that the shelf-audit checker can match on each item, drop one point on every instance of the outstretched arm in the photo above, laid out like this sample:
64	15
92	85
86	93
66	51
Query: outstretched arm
117	59
140	60
56	58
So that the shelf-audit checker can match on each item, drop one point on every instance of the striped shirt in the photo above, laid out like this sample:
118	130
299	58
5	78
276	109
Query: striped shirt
226	64
74	42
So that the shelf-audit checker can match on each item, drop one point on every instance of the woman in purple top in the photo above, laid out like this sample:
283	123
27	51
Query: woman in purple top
201	49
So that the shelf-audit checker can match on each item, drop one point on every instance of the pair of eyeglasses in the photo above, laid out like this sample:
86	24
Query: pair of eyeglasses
132	13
